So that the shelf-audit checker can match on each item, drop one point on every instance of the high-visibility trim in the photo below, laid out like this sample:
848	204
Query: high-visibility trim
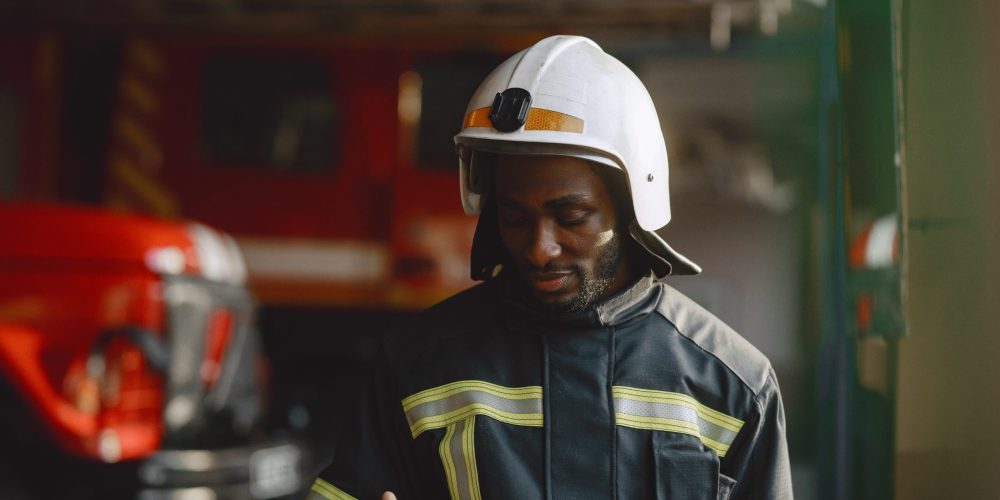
442	406
537	119
478	118
450	471
458	456
454	407
674	412
469	452
546	119
327	491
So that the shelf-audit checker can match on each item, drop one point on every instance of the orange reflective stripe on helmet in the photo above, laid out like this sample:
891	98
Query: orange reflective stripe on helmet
538	119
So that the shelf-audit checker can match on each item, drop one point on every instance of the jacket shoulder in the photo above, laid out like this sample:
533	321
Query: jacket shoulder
715	337
463	309
457	315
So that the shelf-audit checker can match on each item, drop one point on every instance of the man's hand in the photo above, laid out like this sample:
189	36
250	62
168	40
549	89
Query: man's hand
388	496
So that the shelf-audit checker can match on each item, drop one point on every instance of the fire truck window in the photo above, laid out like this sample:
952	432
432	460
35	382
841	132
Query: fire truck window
270	114
445	87
8	145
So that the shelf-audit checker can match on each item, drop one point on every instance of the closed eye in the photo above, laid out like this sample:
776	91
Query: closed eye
574	218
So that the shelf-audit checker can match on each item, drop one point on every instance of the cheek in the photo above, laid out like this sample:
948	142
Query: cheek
588	244
512	239
604	237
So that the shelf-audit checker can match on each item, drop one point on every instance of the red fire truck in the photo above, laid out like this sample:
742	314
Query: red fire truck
129	340
331	162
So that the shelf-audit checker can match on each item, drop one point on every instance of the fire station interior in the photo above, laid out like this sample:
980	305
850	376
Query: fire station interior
833	169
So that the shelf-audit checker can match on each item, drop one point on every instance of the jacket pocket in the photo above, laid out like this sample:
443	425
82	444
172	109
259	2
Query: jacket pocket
685	470
726	485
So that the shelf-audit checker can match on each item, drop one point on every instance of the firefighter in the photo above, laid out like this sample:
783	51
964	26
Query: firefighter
573	370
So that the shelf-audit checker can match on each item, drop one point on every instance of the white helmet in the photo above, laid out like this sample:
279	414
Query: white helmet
565	96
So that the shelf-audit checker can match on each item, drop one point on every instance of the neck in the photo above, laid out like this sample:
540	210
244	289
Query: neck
626	274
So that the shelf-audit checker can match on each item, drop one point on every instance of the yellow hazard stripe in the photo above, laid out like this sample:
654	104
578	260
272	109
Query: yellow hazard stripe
537	119
144	55
137	136
329	491
156	197
138	95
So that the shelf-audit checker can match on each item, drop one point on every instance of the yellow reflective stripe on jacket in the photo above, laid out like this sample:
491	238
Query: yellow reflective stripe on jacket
442	406
454	407
325	490
674	412
458	455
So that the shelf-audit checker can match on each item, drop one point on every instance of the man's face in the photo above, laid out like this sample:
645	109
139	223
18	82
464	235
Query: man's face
559	224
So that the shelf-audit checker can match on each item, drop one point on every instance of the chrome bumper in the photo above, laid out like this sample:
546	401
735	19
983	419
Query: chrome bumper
274	470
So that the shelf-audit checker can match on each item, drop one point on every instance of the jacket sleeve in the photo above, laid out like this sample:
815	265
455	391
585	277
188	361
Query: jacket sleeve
374	452
761	466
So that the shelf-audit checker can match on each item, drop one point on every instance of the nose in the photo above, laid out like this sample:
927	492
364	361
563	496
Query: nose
543	246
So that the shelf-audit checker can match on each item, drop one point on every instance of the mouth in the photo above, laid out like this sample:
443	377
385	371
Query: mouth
549	282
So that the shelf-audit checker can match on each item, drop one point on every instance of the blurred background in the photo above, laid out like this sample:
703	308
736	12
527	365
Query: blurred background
833	169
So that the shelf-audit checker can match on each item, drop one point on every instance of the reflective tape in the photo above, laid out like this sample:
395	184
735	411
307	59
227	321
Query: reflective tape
442	406
322	490
458	455
673	412
537	119
454	407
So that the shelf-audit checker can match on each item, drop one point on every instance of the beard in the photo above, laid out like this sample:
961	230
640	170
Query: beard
593	284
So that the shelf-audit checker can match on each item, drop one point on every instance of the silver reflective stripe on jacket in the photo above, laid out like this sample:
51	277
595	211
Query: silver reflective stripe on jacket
454	407
438	407
674	412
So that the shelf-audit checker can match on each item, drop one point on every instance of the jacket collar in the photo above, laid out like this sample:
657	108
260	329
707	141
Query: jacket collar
638	299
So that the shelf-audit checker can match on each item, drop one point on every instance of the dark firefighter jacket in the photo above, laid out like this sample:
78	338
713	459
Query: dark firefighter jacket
645	395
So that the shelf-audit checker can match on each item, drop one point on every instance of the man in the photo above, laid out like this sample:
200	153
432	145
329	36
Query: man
573	371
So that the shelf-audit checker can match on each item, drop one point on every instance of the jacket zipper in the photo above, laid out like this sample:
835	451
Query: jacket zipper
611	406
547	415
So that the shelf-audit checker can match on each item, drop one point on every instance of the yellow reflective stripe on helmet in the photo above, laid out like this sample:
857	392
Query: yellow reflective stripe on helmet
458	456
537	119
327	491
674	412
442	406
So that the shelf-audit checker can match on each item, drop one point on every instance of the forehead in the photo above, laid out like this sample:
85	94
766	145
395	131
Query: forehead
547	177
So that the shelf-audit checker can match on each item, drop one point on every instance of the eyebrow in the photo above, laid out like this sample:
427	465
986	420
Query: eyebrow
566	201
556	204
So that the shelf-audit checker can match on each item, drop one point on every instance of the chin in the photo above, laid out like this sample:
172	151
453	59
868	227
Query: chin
560	304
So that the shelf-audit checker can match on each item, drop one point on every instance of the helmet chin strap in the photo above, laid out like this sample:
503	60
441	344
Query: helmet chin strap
488	252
